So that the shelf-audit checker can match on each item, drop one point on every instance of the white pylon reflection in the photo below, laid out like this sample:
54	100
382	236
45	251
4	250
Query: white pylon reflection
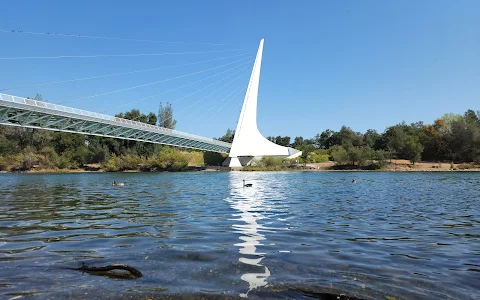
252	207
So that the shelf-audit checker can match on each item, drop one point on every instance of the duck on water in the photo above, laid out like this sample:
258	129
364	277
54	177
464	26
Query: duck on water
114	183
247	184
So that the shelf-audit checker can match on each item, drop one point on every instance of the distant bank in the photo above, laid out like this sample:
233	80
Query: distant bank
395	165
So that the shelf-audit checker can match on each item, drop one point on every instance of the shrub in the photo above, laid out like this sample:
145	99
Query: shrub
268	161
194	158
3	163
112	164
339	155
29	160
465	166
213	158
317	158
48	158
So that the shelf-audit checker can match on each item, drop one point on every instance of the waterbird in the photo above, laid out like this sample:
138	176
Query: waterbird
247	184
354	181
114	183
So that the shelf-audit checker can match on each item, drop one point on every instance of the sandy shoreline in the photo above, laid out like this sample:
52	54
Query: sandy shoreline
401	165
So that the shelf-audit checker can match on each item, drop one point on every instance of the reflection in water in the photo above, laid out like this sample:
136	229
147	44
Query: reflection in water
253	206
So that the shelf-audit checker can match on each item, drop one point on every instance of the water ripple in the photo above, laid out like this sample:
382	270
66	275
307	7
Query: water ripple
291	235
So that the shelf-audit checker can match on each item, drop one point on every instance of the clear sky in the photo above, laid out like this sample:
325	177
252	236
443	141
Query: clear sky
364	64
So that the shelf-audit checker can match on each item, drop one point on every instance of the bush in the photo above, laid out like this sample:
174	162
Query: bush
314	157
373	166
112	164
268	161
465	166
171	160
48	158
339	155
195	158
3	164
64	162
29	160
213	158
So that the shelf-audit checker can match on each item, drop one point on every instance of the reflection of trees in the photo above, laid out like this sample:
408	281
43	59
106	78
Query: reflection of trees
251	205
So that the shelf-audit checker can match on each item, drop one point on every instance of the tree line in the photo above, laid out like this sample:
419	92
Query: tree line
452	138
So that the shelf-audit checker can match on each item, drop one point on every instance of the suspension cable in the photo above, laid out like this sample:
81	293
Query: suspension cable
104	37
187	108
181	98
224	98
152	83
117	55
117	74
176	88
223	106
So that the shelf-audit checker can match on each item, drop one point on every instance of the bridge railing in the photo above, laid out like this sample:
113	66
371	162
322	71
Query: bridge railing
57	107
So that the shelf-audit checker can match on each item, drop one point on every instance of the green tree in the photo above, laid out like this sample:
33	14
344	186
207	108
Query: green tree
434	141
228	136
449	118
297	141
412	149
322	139
339	155
355	155
282	141
152	118
372	139
464	140
471	117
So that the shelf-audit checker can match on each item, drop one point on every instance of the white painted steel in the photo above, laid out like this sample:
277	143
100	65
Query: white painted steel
248	141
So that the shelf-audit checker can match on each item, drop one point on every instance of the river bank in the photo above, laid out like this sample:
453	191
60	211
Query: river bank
399	165
396	165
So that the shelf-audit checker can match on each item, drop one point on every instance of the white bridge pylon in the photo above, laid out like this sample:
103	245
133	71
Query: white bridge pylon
248	142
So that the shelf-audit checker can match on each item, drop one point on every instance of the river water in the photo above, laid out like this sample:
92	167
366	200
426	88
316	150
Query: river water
203	235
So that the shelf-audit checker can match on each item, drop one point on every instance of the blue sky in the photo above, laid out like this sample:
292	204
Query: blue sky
364	64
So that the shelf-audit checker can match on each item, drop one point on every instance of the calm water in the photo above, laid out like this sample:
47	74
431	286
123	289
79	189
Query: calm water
294	235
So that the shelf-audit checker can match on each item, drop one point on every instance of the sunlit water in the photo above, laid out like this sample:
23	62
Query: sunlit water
294	235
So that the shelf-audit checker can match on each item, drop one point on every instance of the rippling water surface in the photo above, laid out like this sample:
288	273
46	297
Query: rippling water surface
291	235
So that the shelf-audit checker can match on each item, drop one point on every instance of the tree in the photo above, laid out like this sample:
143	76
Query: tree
323	140
152	118
38	97
372	139
228	136
470	116
165	116
395	137
464	140
412	149
355	155
449	118
297	142
350	138
282	141
339	155
434	141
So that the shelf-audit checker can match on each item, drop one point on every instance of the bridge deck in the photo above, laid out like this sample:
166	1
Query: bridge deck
18	111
